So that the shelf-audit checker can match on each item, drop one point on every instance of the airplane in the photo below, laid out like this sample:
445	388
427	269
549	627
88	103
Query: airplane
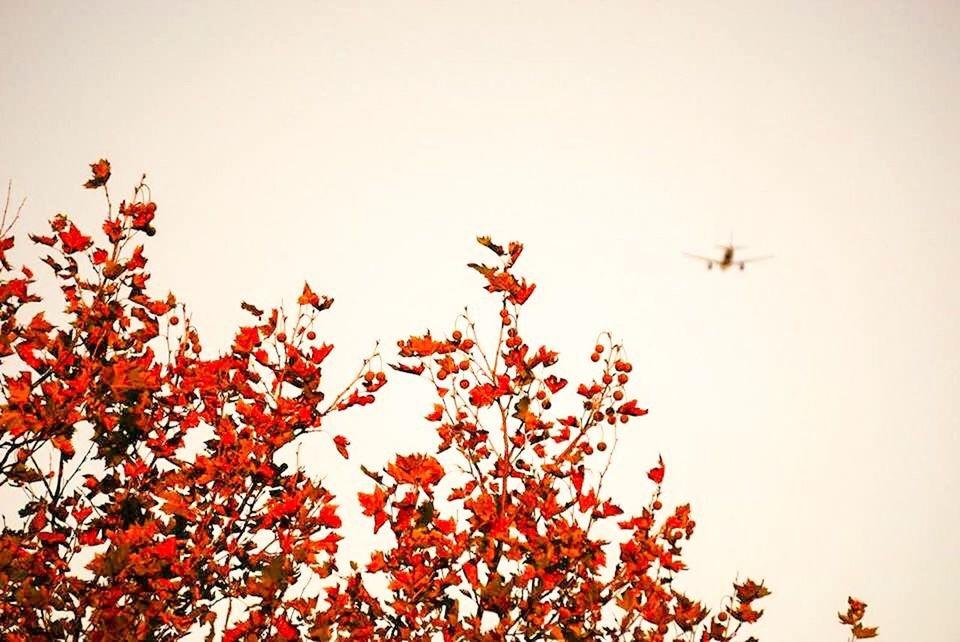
728	260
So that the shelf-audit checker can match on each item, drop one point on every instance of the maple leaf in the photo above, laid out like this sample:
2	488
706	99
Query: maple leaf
247	339
341	443
521	292
51	538
64	445
425	346
167	549
630	408
750	590
73	241
554	384
490	245
656	474
317	355
470	573
373	505
328	517
101	174
607	509
252	309
284	630
414	370
437	413
745	613
419	470
42	240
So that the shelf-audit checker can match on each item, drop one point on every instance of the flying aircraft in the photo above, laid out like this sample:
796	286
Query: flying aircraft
728	260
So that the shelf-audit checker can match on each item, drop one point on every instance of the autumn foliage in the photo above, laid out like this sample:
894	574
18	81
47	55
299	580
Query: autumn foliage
154	504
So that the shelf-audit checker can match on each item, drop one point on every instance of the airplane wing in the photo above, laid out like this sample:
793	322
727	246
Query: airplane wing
754	258
702	258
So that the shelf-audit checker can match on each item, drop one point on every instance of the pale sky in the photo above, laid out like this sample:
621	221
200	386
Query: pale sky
806	407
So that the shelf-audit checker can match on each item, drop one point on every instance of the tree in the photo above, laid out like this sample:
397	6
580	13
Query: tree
129	533
155	504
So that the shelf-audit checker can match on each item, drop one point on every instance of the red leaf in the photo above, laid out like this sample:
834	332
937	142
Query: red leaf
373	505
341	443
167	549
52	538
247	339
402	367
656	474
554	383
284	630
73	240
630	408
317	355
101	174
437	413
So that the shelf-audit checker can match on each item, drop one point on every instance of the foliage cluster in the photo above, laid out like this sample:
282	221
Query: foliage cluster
130	530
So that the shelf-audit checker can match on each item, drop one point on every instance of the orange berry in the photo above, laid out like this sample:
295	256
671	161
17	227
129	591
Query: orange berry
598	348
624	418
607	378
457	335
597	415
627	367
611	419
601	446
722	617
368	376
442	375
464	365
282	337
311	335
594	357
657	505
464	384
622	378
541	395
174	320
618	394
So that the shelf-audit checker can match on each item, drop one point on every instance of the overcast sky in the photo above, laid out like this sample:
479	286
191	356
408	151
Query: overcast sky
807	407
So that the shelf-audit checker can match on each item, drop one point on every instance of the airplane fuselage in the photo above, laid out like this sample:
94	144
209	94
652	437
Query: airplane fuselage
727	260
